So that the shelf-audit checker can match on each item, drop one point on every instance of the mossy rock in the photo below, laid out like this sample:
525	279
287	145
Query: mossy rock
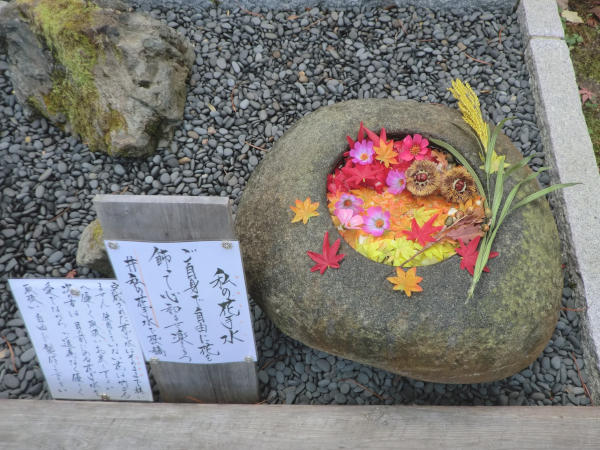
353	311
91	251
117	79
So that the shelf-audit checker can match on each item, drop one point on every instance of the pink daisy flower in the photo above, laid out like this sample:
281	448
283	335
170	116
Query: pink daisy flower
348	220
349	201
362	152
414	147
396	181
377	221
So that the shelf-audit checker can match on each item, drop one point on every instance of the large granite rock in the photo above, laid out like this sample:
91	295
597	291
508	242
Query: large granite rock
117	79
353	311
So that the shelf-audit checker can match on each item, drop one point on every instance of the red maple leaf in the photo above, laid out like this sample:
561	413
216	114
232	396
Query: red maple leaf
361	134
469	255
586	95
328	258
369	174
377	139
336	182
422	234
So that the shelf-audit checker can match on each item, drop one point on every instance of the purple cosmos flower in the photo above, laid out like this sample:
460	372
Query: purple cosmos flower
396	181
377	221
362	152
349	201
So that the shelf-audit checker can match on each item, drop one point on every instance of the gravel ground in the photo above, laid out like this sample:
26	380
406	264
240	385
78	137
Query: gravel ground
279	67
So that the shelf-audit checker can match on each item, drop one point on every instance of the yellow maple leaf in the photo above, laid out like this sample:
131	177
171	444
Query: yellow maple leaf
385	153
407	281
304	210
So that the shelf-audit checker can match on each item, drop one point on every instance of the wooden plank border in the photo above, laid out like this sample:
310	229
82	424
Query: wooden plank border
32	424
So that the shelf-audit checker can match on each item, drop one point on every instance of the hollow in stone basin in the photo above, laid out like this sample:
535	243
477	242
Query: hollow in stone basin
353	311
379	214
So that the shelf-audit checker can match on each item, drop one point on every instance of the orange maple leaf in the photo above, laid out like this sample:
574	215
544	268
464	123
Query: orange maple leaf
385	153
407	281
304	210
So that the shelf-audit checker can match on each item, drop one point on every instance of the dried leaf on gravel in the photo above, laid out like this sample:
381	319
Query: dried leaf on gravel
571	16
586	95
562	4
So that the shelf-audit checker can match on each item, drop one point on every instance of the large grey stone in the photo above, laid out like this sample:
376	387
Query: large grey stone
91	251
353	311
133	93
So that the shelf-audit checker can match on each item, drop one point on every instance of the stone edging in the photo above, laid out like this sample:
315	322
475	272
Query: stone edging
570	155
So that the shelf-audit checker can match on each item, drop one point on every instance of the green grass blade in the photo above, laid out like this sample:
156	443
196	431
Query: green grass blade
517	166
498	191
494	135
461	159
512	194
472	133
530	198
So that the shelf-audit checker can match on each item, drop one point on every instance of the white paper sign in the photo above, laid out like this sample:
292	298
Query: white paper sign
187	300
84	341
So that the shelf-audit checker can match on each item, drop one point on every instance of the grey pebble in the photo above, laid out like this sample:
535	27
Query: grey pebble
10	381
27	355
323	364
165	178
263	376
221	63
44	176
119	170
55	257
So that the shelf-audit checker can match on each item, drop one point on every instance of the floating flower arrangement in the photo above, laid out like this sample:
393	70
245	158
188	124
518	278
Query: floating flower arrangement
410	202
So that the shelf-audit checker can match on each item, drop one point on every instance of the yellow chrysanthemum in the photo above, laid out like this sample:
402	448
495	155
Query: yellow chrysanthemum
370	249
398	250
469	106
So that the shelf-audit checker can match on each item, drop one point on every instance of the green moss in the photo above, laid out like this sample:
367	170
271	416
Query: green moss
68	29
586	62
97	232
591	113
36	104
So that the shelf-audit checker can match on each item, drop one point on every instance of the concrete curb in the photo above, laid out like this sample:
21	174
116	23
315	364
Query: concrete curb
570	155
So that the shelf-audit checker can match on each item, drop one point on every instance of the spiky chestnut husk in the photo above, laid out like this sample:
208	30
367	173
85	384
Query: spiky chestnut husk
422	178
457	185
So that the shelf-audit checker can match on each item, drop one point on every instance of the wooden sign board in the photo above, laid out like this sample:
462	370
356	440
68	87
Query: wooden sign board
187	300
85	344
174	225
